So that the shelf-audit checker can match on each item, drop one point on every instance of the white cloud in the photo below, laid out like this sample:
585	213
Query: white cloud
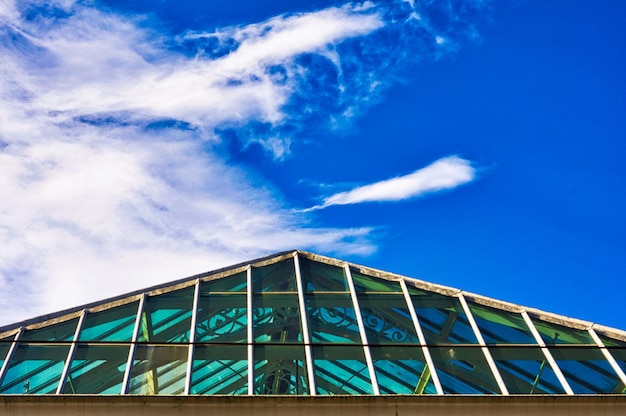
446	173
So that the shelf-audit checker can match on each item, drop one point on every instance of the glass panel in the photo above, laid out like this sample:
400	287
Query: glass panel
402	370
5	345
442	318
63	331
386	319
617	349
277	277
276	318
501	327
558	334
220	370
463	370
363	283
167	317
222	318
321	277
526	371
586	370
35	369
341	369
97	369
115	324
159	369
280	369
331	318
229	284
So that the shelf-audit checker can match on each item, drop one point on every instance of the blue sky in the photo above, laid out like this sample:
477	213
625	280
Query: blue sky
475	144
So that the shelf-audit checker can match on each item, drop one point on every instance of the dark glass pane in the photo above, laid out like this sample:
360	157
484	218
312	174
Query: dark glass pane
97	369
220	370
559	334
159	369
386	319
276	318
464	370
167	317
526	371
442	318
63	331
364	283
35	369
501	327
222	318
277	277
321	277
331	318
586	370
280	369
402	370
617	348
115	324
5	345
229	284
341	370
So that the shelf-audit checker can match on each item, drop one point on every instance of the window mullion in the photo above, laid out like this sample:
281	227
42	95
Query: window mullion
609	357
10	353
250	333
192	337
70	354
306	336
133	345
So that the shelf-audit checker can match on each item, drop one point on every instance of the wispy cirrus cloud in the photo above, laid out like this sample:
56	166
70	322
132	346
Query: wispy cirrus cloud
443	174
111	174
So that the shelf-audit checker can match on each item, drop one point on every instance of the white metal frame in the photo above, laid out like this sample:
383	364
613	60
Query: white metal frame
608	356
250	330
12	348
133	345
306	336
70	354
192	336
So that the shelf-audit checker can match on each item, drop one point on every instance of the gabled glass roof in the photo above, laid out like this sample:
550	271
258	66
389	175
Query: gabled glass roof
302	324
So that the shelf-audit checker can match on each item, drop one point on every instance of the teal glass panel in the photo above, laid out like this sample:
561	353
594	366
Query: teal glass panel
586	370
220	370
63	331
158	369
364	283
321	277
386	319
5	345
331	318
525	370
225	285
35	369
115	324
280	369
277	277
97	369
276	318
167	317
501	327
402	370
463	370
442	318
341	369
222	317
558	334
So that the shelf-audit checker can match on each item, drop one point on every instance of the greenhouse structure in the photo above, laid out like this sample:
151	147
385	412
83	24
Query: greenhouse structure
306	334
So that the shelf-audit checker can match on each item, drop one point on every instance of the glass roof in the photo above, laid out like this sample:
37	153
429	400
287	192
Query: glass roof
303	324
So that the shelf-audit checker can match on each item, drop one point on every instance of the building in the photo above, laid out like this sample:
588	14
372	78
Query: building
307	334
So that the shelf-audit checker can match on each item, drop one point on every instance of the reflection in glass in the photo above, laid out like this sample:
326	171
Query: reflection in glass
558	334
526	371
220	369
280	370
97	369
369	284
402	370
5	346
501	327
463	370
167	317
386	319
586	370
35	369
331	318
341	369
63	331
321	277
158	369
617	348
115	324
277	277
276	318
222	315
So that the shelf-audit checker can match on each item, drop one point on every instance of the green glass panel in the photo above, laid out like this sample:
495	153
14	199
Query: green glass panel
63	331
586	370
364	283
341	369
222	318
501	327
220	370
402	370
115	324
225	285
167	317
280	369
525	370
331	318
277	277
35	369
386	319
159	369
463	370
276	318
321	277
442	318
97	369
559	334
